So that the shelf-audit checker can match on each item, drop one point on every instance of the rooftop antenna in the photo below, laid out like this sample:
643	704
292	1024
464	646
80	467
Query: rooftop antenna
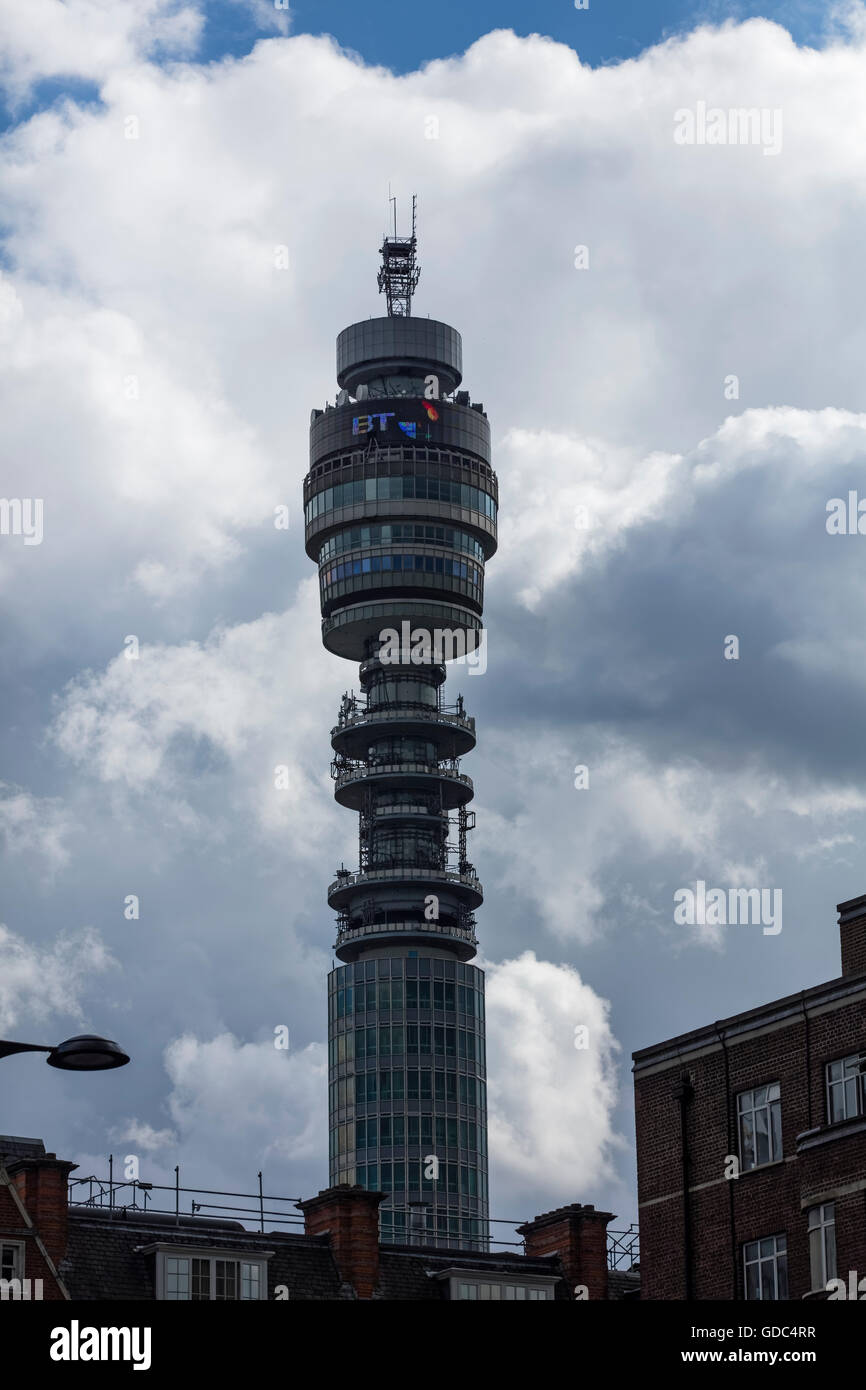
399	274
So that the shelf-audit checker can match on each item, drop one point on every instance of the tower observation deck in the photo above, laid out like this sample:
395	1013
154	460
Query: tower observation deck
400	508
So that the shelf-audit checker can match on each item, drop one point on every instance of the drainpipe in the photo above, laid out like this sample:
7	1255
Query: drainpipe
684	1092
733	1148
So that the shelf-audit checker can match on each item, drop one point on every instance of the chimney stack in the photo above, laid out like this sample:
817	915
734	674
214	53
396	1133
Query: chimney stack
349	1216
578	1235
43	1186
852	931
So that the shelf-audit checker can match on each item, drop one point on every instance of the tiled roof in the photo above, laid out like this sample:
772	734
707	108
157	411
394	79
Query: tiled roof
12	1146
104	1258
623	1283
403	1270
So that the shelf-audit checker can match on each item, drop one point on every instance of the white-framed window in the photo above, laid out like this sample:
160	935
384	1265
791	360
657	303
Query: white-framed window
846	1087
206	1277
486	1290
11	1263
765	1268
822	1244
759	1122
11	1259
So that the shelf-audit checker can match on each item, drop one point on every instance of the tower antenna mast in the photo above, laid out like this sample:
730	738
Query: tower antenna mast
399	273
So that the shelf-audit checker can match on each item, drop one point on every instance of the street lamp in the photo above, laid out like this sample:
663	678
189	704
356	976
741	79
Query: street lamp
82	1053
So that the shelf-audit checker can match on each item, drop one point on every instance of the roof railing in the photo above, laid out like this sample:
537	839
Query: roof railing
623	1248
114	1198
346	879
384	713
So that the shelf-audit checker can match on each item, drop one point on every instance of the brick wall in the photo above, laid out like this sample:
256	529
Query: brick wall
767	1201
40	1185
349	1216
852	934
578	1235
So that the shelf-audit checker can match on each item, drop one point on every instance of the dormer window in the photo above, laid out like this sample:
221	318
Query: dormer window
484	1290
206	1276
495	1286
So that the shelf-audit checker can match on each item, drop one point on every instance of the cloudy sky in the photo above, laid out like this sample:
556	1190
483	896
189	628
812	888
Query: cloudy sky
192	209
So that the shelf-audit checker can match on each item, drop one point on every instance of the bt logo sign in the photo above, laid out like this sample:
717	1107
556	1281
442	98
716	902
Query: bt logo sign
363	424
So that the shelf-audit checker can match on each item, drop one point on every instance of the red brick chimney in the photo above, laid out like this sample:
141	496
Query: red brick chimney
33	1210
42	1185
349	1216
852	930
578	1235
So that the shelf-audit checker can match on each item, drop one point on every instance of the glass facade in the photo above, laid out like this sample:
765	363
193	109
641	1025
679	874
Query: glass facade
402	564
364	537
386	489
407	1071
388	690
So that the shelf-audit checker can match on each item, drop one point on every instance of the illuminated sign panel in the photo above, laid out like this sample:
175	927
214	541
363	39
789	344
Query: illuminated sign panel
407	423
363	424
384	421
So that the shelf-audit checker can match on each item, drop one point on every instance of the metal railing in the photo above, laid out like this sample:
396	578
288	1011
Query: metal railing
623	1248
115	1198
429	875
355	772
365	717
372	929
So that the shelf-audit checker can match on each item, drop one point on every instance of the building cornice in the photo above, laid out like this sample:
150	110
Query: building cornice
769	1018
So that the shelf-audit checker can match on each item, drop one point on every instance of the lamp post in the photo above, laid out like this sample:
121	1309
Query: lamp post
85	1052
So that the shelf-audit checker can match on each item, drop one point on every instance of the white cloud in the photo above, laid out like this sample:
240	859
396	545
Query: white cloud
143	1136
567	501
550	1103
123	251
247	701
249	1098
268	14
88	38
38	982
570	503
30	824
564	850
153	258
161	477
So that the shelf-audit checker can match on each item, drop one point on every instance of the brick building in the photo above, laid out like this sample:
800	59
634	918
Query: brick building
32	1181
83	1252
751	1145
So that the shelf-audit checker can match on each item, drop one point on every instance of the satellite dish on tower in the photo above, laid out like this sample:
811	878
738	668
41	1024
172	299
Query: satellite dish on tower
362	392
342	398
